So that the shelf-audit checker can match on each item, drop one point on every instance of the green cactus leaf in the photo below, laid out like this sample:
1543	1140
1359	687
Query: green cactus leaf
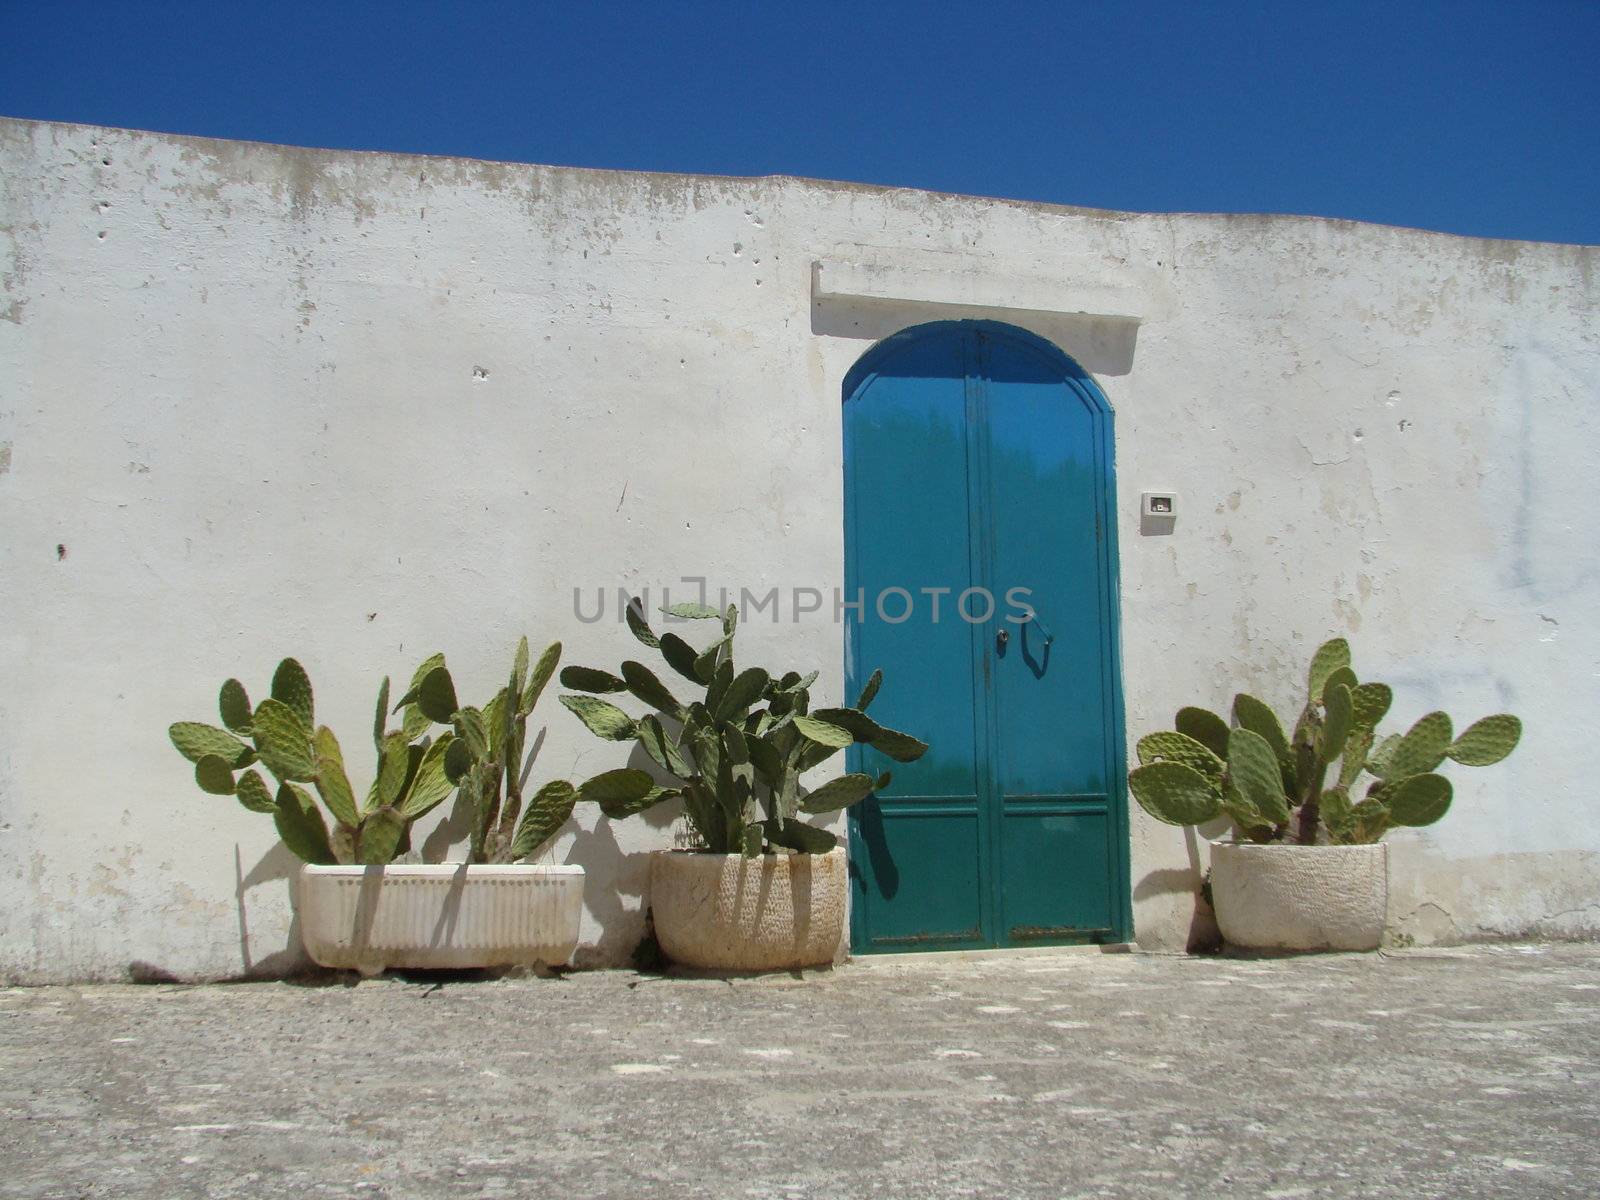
1369	822
519	667
548	810
870	692
901	747
620	785
430	784
394	768
415	723
333	784
1422	748
712	659
494	718
721	679
1378	757
604	719
767	760
425	668
742	691
1174	793
253	794
1371	704
1205	727
1418	799
1486	742
380	719
644	684
1254	770
853	721
1180	747
730	619
823	733
539	677
839	793
1336	720
810	754
1334	808
377	839
283	742
1341	677
1245	816
1250	713
214	775
659	745
1356	748
458	761
680	656
292	686
472	729
618	792
690	611
798	836
639	625
195	741
1255	716
299	820
436	696
233	702
1330	656
590	679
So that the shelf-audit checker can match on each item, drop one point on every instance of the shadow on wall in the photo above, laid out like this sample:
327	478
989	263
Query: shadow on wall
1102	345
1203	932
611	873
278	863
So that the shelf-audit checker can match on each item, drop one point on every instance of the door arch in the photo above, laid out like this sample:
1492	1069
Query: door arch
978	461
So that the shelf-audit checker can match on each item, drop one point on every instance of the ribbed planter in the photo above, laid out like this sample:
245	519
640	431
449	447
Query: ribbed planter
449	915
725	912
1278	896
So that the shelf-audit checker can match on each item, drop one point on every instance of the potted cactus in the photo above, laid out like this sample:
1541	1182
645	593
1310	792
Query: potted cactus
763	890
1305	868
358	907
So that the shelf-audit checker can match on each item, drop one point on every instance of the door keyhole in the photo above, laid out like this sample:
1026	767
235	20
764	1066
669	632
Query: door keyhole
1000	640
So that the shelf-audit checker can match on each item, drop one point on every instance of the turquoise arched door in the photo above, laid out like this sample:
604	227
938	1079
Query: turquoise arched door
980	538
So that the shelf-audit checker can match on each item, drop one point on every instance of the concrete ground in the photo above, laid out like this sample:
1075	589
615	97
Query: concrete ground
1466	1072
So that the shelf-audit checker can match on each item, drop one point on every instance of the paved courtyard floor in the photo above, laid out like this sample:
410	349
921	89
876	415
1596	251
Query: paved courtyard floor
1464	1072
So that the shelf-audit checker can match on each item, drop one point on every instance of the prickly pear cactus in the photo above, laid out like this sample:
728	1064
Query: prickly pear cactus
741	743
280	734
1274	786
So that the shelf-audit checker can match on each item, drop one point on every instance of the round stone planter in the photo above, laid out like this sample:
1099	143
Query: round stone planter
730	913
447	916
1285	897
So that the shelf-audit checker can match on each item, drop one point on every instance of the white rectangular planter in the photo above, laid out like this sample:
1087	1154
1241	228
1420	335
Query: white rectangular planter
447	915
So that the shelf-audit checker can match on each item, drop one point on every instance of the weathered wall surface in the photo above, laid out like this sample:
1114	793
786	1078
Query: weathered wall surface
257	400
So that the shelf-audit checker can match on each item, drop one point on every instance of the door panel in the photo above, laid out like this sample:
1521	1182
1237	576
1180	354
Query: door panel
910	531
1049	696
978	456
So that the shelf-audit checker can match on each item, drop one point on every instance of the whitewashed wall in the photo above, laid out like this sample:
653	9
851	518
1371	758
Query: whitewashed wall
358	407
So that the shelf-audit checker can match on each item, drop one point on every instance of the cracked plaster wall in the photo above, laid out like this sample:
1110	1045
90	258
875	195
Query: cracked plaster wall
257	400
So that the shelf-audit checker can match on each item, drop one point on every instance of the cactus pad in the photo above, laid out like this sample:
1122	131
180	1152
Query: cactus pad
1486	742
1174	793
1205	727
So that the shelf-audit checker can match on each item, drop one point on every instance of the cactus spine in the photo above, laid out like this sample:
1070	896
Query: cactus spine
1275	787
736	752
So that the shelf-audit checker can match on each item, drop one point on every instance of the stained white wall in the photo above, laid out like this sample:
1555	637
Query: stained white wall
257	400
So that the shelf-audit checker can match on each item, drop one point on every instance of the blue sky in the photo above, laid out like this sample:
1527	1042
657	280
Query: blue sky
1477	118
